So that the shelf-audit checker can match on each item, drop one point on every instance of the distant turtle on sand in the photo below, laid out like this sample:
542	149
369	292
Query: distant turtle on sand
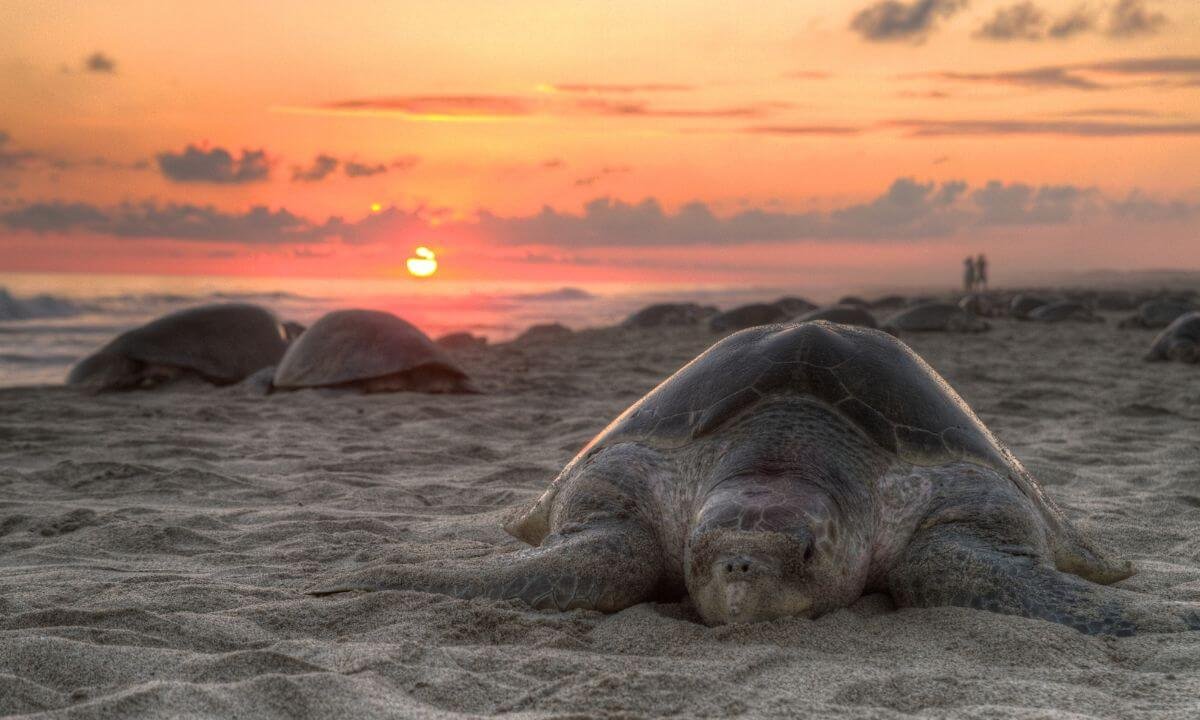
371	351
748	316
221	344
935	317
793	306
662	314
545	332
1155	314
462	341
786	471
889	302
983	305
1064	311
1180	341
844	314
1021	305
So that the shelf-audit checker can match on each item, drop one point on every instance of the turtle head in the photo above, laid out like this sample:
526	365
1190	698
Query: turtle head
757	554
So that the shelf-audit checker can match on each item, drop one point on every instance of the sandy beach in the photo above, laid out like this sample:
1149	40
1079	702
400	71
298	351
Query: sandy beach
154	545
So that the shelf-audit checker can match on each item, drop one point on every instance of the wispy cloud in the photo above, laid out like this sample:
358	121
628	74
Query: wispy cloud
217	166
1130	18
577	102
618	88
98	62
1098	75
800	130
325	165
892	20
1071	128
322	167
258	225
908	210
1022	21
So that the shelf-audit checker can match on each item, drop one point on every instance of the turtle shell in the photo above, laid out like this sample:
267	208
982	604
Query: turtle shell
1161	313
349	346
932	317
869	377
1185	327
1022	305
748	316
223	343
1063	310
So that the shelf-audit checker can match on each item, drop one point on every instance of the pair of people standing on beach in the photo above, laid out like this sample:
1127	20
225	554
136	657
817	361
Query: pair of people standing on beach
975	274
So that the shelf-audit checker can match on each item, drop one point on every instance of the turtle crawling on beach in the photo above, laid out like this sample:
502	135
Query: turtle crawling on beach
221	344
371	351
1180	341
935	317
788	470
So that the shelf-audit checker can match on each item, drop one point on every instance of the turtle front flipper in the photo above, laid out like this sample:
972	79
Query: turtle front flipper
605	567
959	565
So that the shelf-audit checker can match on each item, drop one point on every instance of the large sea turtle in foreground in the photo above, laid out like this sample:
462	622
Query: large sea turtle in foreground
1179	341
935	317
788	470
221	343
368	350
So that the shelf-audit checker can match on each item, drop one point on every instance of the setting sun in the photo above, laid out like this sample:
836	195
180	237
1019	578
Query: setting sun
424	264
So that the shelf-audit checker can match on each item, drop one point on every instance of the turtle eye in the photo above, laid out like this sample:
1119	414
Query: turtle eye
808	552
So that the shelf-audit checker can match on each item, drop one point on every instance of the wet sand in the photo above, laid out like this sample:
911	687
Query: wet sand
153	547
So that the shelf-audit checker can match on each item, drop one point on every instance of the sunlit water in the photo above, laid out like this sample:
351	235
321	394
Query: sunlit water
48	322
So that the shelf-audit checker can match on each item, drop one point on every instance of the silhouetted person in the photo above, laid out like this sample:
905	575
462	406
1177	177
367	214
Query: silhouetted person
981	272
969	274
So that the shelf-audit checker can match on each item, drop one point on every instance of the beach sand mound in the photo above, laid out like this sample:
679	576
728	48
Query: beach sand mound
153	548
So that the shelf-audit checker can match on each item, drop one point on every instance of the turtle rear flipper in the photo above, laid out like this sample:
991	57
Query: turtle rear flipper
1076	554
606	567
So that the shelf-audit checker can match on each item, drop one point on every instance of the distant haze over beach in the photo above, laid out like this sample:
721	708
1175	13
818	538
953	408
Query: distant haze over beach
49	321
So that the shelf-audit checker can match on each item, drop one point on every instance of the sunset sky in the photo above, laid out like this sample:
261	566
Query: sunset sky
579	141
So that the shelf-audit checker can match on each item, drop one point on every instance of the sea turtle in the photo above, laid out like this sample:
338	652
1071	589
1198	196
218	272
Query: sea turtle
1115	301
1180	341
462	341
984	305
1021	305
933	317
793	306
748	316
1159	313
889	302
786	471
669	314
1064	310
844	314
371	351
545	332
221	343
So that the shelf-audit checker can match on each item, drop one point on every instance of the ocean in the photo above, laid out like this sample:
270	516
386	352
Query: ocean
50	321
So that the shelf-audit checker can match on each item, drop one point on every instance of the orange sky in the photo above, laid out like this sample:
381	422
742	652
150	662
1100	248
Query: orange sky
790	122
